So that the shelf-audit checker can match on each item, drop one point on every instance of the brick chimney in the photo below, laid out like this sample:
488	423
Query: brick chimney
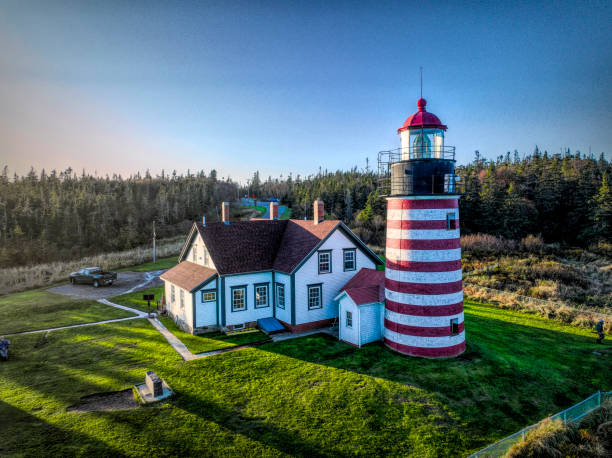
225	212
319	212
273	210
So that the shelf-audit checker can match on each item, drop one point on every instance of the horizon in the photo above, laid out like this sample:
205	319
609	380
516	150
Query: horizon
289	88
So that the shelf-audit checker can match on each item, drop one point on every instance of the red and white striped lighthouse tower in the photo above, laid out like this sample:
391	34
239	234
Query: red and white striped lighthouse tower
423	288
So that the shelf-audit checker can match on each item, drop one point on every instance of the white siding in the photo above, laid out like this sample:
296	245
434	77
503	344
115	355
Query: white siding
284	315
251	313
332	282
371	322
350	335
200	258
206	312
183	316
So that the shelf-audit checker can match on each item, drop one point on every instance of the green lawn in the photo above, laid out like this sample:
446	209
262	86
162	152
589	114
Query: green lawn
39	309
286	214
162	263
211	341
312	396
135	300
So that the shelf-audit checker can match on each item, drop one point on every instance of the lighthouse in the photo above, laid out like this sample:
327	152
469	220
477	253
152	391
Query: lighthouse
423	313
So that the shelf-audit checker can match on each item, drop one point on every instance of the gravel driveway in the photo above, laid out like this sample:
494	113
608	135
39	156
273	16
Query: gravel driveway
126	282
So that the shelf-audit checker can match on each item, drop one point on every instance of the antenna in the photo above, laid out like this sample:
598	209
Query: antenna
421	69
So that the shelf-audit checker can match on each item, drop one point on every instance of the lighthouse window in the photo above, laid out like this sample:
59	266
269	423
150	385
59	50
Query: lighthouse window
349	259
325	266
454	326
451	222
422	146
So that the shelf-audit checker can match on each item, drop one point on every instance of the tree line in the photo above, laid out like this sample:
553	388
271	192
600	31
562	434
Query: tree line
567	198
63	215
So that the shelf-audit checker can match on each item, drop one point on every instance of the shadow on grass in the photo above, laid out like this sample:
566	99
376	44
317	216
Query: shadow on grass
255	428
46	439
511	375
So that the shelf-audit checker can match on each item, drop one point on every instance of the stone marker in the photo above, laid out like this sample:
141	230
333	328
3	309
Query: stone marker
154	384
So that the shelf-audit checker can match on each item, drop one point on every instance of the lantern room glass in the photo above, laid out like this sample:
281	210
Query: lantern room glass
426	143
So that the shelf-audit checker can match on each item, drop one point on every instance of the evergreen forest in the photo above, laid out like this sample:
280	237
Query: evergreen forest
566	198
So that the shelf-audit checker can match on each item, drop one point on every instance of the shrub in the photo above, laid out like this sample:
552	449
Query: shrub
543	440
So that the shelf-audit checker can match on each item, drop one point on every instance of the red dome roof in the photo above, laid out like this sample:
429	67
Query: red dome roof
422	119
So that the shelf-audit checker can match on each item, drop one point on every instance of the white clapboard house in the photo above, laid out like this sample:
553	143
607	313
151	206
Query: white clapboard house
232	274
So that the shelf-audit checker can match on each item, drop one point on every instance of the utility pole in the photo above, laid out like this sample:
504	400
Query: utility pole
154	247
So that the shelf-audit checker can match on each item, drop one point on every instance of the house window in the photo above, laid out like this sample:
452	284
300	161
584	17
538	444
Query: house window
454	326
172	298
314	297
325	265
280	295
451	222
349	319
205	254
209	295
350	255
261	295
182	299
195	253
239	298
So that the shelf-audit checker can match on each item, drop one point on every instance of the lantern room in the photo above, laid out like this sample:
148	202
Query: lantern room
423	165
422	135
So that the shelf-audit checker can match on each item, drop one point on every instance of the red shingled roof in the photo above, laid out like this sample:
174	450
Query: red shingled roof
366	287
188	275
299	239
257	245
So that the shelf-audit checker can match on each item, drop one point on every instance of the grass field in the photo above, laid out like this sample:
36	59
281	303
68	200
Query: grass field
312	396
39	309
211	341
134	299
163	263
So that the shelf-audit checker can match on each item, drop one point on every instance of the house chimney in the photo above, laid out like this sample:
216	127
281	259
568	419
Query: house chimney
225	212
319	213
273	210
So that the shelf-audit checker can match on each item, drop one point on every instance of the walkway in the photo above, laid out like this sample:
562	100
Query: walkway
294	335
137	314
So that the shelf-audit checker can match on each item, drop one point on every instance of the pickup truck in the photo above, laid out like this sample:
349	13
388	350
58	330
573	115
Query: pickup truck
93	276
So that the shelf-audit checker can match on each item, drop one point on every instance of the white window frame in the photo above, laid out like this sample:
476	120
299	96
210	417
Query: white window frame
266	288
182	297
280	303
349	319
353	252
207	292
172	294
321	254
310	298
234	290
195	253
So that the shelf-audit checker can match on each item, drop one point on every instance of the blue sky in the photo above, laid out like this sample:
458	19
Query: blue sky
290	86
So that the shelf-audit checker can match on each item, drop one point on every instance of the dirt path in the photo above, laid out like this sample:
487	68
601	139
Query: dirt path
126	282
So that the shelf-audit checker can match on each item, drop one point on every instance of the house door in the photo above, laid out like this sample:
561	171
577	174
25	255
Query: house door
206	308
